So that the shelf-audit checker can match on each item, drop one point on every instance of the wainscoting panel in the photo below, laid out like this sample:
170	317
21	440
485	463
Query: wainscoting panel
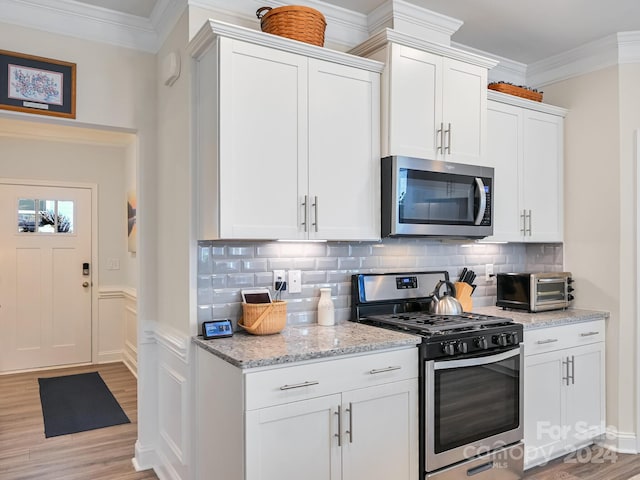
130	354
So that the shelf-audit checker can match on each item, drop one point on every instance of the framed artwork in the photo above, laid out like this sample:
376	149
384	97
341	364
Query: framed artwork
131	221
37	85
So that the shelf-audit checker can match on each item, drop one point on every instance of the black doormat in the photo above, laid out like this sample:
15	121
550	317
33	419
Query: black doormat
76	403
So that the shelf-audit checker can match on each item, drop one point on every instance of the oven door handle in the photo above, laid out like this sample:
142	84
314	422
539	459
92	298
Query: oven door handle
483	201
475	362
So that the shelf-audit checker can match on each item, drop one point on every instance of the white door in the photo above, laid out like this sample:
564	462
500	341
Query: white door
381	432
415	108
542	175
294	441
263	118
341	208
45	300
464	107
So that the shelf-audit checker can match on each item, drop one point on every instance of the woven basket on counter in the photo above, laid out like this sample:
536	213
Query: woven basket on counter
296	22
517	91
264	318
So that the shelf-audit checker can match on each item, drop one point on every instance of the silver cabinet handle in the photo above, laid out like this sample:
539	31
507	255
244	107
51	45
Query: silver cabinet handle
565	364
548	340
440	133
339	434
589	334
304	205
299	385
523	217
448	132
382	370
315	206
529	222
350	431
573	370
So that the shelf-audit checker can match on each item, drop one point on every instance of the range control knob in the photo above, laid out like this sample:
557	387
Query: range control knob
449	348
482	343
514	339
500	340
462	347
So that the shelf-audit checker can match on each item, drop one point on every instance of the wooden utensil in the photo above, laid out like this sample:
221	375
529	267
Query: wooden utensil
463	295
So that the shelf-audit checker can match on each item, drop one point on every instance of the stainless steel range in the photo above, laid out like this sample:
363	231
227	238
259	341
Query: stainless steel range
471	389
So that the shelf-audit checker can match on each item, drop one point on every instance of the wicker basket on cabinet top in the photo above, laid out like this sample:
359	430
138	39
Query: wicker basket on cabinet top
300	23
517	91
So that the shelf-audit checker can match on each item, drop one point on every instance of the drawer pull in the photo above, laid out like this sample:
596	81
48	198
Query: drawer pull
298	385
548	340
589	334
382	370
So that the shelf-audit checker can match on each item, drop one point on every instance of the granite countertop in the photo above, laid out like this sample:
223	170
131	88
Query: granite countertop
552	318
305	342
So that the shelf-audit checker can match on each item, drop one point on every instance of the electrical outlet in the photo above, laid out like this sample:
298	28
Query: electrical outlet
295	281
488	271
279	280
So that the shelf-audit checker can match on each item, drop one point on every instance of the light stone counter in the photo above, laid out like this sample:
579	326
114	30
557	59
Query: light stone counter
552	318
305	342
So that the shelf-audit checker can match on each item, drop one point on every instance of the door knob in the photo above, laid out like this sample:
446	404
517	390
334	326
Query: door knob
85	284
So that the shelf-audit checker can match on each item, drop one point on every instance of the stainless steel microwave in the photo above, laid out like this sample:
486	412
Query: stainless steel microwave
436	199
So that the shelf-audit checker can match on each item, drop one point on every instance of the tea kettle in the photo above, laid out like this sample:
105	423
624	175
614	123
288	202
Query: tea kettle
447	304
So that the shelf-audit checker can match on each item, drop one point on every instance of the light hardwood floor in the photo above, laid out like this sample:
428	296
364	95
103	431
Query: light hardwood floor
589	463
103	454
106	453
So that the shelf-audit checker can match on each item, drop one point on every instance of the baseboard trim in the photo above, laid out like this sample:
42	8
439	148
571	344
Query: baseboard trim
110	357
146	457
619	442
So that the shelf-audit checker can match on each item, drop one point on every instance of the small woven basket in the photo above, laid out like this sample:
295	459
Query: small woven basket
296	22
264	318
517	91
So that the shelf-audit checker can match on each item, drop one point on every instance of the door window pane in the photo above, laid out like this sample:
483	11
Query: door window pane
45	216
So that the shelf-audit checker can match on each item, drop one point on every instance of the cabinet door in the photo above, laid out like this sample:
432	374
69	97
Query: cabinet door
262	125
381	432
504	132
464	112
415	103
344	152
293	441
543	416
585	399
542	175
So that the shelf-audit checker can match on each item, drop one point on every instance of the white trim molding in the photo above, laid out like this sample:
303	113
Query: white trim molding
623	47
620	442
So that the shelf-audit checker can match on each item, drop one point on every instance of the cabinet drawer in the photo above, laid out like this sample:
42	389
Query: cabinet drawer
564	336
302	381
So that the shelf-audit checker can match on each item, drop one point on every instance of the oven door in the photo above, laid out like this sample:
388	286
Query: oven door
473	406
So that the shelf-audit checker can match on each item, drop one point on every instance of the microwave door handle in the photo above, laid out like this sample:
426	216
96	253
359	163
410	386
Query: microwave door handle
483	201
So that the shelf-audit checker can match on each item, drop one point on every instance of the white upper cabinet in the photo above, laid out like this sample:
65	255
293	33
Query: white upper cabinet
434	102
525	147
287	138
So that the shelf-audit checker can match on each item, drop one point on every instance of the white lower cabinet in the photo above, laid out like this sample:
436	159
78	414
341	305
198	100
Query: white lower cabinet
350	418
564	389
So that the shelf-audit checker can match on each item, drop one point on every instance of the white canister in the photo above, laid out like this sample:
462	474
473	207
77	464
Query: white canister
326	310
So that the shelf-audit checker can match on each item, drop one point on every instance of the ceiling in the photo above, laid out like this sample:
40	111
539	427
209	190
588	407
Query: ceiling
519	31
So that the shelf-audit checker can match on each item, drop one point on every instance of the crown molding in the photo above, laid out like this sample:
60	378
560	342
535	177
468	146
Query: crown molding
525	103
388	35
506	70
409	18
164	17
628	47
214	29
593	56
75	19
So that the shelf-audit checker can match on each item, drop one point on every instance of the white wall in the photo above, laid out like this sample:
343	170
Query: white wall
82	163
600	221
